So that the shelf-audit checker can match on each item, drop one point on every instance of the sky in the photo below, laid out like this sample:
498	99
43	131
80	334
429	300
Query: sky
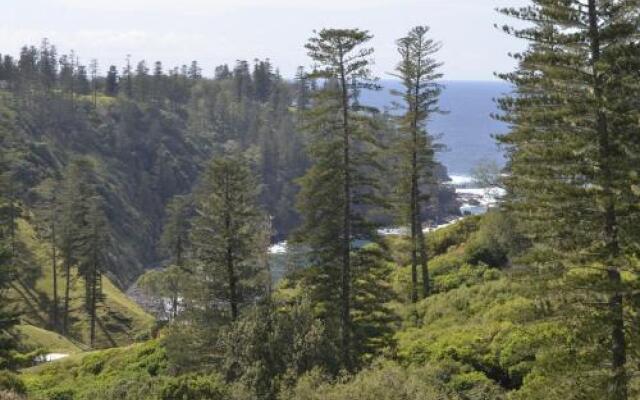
222	31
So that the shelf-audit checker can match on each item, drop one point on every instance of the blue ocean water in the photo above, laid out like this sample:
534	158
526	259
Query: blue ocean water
466	131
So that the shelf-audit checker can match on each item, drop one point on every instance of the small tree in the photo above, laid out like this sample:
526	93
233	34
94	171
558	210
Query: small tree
112	84
224	237
175	234
171	283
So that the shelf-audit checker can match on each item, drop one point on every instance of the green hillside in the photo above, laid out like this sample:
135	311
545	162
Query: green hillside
140	154
121	321
46	341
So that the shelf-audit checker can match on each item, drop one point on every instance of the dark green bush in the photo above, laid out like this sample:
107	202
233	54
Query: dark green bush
485	251
441	240
11	382
492	243
93	364
194	387
60	394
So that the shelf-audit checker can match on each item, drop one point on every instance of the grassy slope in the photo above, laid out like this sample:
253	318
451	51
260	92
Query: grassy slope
120	319
138	369
38	338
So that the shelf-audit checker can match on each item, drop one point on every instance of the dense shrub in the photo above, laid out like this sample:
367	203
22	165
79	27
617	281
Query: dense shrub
194	387
11	382
494	241
60	394
131	373
390	382
442	240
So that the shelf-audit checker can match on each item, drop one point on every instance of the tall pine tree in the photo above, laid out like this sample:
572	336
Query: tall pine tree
334	190
8	317
74	233
573	151
418	72
93	260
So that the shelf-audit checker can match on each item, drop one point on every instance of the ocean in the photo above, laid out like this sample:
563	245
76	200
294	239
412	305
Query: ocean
467	130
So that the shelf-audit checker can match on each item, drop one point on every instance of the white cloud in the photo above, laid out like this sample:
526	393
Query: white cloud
209	7
111	46
219	31
99	38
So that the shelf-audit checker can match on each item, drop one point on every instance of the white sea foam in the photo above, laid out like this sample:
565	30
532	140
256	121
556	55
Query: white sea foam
393	231
460	180
484	195
278	248
478	200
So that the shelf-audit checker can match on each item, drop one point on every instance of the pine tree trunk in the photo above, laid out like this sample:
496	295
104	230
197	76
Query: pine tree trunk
174	307
12	227
54	271
346	244
65	325
618	384
414	222
94	295
179	251
424	262
265	254
233	299
419	241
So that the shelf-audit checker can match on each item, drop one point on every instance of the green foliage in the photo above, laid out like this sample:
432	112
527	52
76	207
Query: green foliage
496	325
271	346
135	372
150	136
388	381
442	240
121	320
175	232
482	328
373	318
171	283
225	239
11	382
194	387
9	260
32	338
465	253
493	243
572	149
486	333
